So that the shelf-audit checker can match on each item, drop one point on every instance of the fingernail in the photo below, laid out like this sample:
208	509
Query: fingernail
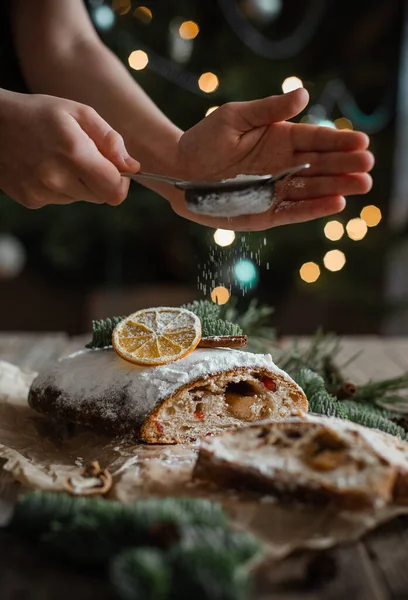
131	162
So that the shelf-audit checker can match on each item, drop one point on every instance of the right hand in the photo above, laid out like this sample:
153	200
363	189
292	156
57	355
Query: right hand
55	151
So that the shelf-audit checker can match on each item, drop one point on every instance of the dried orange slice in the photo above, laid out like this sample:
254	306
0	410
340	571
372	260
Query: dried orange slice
156	336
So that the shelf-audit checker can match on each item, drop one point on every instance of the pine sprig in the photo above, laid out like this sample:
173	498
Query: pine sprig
204	309
218	327
141	573
323	403
102	332
155	548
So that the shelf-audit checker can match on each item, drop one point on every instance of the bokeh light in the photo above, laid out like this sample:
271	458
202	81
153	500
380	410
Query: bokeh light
210	110
343	123
291	83
189	30
246	272
122	7
220	295
138	60
103	17
371	215
334	230
334	260
309	272
143	14
224	237
208	82
356	229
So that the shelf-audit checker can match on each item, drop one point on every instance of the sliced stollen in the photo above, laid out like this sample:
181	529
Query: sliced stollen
312	459
208	391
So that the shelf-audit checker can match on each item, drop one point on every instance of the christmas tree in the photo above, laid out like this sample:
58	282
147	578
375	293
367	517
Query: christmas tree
191	57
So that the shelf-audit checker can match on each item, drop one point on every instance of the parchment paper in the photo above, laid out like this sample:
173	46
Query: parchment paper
40	453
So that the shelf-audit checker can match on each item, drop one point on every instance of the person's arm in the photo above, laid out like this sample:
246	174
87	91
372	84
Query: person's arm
61	55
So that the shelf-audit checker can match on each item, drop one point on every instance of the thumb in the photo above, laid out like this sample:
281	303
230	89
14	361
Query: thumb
108	141
257	113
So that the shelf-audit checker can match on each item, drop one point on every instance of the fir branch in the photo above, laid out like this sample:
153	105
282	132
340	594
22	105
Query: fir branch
320	401
380	390
203	309
218	327
205	572
102	332
254	321
141	573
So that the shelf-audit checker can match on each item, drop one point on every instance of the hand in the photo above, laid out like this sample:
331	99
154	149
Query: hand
54	151
255	138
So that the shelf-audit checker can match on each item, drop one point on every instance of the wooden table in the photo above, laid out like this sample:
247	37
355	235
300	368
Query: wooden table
375	568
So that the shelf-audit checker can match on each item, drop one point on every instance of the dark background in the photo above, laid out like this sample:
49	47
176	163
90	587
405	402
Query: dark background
85	261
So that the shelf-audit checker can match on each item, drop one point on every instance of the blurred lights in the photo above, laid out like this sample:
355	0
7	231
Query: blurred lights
326	123
309	272
371	215
291	83
334	260
356	229
144	14
224	237
210	110
220	295
208	82
189	30
334	230
103	17
138	60
343	123
246	272
122	7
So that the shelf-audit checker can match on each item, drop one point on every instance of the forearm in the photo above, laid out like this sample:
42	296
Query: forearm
84	70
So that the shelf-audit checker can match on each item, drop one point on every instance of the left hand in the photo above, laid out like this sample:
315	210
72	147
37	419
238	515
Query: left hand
255	138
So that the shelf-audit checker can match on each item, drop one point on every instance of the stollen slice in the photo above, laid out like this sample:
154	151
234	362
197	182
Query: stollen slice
312	459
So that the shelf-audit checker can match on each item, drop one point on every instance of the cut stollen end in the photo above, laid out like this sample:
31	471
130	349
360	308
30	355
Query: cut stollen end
312	459
207	392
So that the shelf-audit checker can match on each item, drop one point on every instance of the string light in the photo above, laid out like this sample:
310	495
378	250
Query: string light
309	272
334	260
371	215
291	83
326	123
334	230
103	17
122	7
220	295
189	30
138	60
144	14
208	82
210	110
224	237
343	123
246	272
356	229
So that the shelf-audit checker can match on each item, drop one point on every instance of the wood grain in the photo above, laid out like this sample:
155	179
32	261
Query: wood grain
375	568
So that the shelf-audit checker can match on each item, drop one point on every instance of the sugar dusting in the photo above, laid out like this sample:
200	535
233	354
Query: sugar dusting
219	268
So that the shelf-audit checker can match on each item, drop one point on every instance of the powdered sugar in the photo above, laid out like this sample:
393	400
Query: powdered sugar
100	382
252	200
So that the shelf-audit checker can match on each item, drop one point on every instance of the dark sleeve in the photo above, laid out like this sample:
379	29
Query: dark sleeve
11	77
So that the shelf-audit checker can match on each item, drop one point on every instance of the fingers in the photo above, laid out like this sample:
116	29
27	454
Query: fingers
315	138
304	188
108	141
336	163
257	113
285	213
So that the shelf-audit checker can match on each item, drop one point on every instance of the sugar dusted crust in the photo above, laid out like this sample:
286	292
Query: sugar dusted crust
313	459
208	391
